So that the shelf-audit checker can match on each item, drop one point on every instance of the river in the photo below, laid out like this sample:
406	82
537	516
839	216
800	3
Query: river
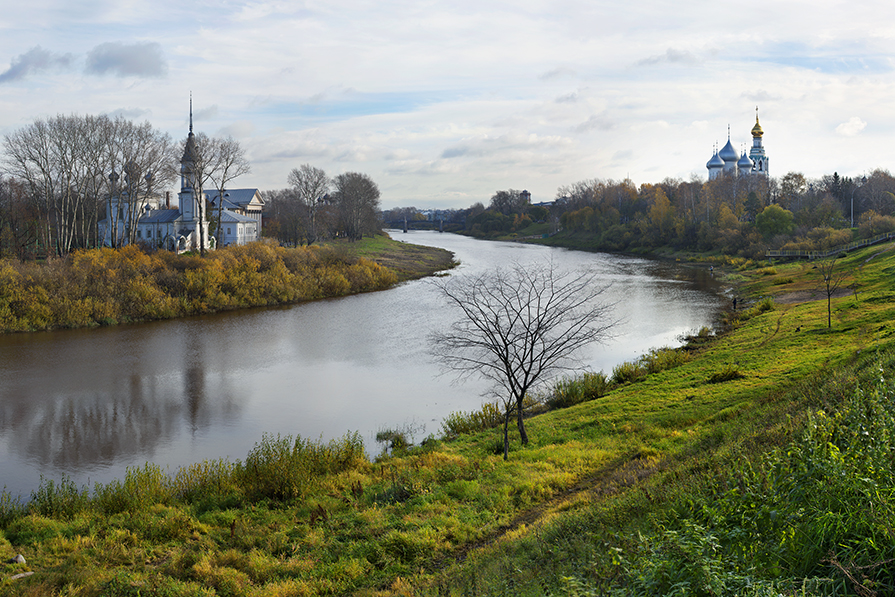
87	404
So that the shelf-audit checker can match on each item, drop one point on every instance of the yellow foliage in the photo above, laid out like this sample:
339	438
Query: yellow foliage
105	286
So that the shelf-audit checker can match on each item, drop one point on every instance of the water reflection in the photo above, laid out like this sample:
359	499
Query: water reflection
88	403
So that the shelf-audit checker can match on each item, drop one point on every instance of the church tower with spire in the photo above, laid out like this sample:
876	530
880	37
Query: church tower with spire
188	175
756	153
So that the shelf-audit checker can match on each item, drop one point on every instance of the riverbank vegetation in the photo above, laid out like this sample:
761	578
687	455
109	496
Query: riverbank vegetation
685	479
737	216
108	286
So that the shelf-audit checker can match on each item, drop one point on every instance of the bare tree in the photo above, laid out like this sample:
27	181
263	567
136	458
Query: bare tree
831	282
357	199
228	163
66	163
19	219
520	327
144	158
213	162
310	186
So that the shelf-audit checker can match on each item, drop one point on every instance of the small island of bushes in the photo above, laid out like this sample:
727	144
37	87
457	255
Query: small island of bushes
94	287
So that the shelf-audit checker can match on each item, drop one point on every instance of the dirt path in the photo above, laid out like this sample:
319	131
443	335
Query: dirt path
803	296
608	481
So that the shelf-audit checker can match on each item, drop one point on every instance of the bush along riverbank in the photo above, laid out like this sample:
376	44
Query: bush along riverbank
756	461
110	286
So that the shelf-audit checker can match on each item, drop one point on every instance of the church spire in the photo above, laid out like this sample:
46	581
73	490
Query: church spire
756	130
191	112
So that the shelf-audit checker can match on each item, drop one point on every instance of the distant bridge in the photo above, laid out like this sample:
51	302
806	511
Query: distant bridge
406	225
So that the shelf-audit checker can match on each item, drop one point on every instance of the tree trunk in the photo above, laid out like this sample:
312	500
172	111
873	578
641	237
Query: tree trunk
520	423
506	434
829	310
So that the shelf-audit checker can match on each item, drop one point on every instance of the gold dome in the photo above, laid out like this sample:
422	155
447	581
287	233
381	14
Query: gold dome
756	130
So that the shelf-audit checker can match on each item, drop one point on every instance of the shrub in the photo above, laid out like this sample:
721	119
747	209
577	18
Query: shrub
727	373
281	468
764	305
106	286
206	480
628	372
781	281
695	340
61	499
571	391
660	359
10	507
459	423
141	488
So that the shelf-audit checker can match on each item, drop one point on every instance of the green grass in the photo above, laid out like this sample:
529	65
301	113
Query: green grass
635	489
407	260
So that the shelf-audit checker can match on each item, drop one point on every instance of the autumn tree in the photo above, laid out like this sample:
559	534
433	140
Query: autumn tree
793	187
774	220
510	202
661	213
519	327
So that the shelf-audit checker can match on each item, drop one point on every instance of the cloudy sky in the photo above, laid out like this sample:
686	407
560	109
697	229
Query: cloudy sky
444	103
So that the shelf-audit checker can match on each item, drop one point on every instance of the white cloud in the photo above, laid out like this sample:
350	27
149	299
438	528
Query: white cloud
852	128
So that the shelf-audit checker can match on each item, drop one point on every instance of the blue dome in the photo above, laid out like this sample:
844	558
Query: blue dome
728	153
715	162
745	163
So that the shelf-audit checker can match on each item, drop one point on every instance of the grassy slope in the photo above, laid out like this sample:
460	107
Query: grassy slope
686	430
407	260
615	459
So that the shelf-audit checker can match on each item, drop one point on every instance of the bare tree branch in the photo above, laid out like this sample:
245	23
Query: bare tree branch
520	327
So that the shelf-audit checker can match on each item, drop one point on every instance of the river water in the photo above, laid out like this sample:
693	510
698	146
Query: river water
87	404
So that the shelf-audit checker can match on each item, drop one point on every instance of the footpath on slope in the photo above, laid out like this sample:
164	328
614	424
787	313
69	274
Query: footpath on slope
608	481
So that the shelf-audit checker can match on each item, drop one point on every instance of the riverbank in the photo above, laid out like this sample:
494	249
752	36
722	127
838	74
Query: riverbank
641	485
101	287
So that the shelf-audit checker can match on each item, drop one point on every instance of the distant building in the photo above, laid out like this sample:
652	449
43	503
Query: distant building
241	216
727	161
182	228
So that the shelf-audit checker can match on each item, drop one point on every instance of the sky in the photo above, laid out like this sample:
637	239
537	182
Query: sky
444	103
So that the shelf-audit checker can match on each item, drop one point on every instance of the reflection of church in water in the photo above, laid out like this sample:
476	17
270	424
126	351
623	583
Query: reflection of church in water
727	161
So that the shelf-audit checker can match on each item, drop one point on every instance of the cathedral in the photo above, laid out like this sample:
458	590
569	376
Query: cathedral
727	161
185	227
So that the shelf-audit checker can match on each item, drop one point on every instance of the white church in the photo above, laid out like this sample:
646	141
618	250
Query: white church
727	161
183	228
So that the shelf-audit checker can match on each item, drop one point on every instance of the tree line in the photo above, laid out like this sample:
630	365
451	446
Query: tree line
315	206
743	215
61	176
